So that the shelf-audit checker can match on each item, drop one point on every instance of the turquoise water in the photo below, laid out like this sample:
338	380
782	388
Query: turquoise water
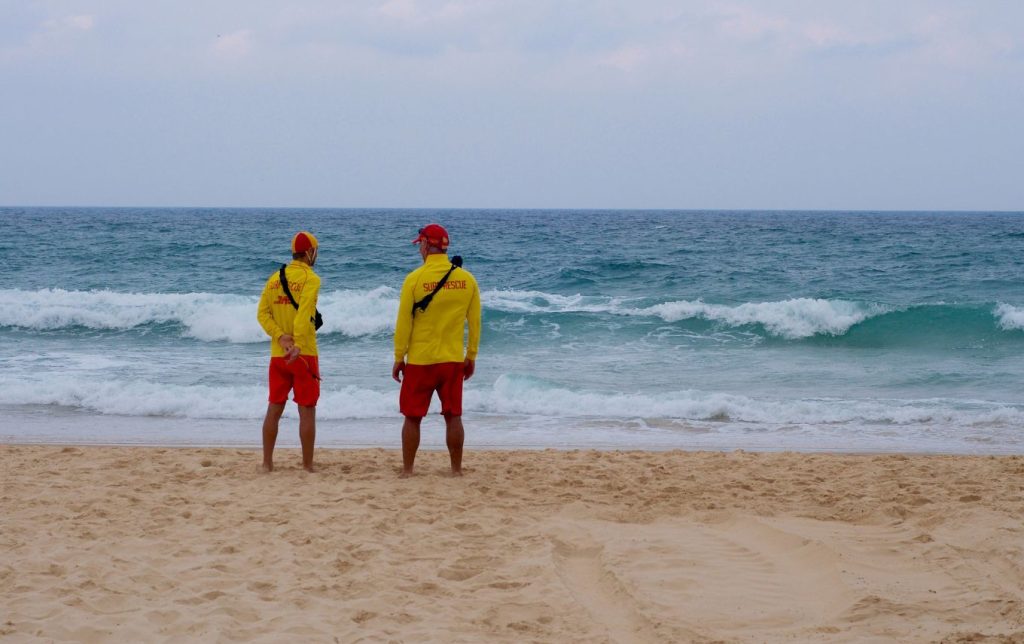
778	330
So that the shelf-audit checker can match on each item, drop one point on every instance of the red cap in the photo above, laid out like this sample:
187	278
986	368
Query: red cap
435	234
303	241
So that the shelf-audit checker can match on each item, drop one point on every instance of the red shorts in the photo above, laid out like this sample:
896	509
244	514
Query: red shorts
422	380
302	375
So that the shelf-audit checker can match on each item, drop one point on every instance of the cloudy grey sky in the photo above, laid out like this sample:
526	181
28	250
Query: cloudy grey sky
865	104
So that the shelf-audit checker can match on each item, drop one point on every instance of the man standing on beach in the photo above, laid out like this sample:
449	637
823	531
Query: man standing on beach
287	312
437	301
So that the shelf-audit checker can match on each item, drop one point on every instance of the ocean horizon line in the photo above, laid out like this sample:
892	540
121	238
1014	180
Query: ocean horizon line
544	209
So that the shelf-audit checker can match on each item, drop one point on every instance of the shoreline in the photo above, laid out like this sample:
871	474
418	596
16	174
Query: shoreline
438	446
41	426
163	544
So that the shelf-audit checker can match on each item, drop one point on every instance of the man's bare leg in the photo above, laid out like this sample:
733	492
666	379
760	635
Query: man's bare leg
410	443
270	424
307	435
455	435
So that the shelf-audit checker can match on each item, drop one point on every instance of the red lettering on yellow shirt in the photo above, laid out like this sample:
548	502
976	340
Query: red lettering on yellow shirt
449	285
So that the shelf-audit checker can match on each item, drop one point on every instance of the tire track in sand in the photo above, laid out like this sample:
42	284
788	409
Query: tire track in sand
603	595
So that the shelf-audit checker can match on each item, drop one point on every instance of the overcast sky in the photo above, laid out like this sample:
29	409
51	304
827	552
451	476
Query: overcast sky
522	104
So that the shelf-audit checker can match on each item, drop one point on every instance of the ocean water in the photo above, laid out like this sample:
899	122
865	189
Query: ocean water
602	329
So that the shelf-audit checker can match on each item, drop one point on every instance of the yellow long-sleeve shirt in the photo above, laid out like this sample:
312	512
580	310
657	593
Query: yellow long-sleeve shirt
277	316
437	334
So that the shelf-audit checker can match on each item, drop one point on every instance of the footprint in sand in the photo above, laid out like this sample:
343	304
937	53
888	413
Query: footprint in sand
467	567
363	616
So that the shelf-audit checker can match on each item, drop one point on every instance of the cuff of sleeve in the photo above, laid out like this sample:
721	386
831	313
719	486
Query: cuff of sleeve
399	357
471	355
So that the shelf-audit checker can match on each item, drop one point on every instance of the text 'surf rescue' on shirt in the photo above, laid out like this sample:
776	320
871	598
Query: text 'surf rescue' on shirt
449	285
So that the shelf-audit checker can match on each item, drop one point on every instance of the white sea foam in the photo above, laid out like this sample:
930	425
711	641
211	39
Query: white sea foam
508	396
142	398
206	316
232	318
512	395
1011	318
514	301
793	318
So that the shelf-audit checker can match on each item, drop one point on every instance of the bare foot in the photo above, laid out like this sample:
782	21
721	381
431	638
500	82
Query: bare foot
268	467
456	473
406	474
308	469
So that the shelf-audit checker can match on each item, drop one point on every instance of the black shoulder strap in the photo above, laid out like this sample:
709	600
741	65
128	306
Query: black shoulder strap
429	297
317	319
284	285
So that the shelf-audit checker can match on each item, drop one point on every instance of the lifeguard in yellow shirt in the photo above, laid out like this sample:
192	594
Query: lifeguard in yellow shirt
438	301
287	312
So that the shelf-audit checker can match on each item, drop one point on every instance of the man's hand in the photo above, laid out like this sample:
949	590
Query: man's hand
291	351
397	369
468	367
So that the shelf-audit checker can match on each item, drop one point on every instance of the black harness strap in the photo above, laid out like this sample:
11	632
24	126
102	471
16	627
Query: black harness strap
429	297
317	321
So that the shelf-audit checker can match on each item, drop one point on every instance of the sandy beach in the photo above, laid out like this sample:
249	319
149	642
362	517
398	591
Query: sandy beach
149	544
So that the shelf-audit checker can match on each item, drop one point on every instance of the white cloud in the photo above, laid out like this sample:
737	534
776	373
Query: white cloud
70	23
948	42
716	81
626	58
744	23
234	45
404	10
53	37
635	58
825	35
430	12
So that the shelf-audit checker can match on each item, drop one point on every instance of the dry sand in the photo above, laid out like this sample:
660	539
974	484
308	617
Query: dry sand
148	544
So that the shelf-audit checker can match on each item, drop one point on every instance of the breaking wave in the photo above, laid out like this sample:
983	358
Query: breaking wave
213	317
205	316
1011	318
